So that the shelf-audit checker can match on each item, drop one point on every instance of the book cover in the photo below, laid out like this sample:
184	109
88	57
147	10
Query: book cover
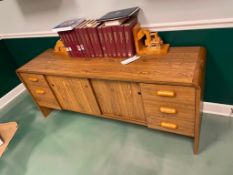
102	40
119	14
67	25
79	37
63	38
129	39
84	39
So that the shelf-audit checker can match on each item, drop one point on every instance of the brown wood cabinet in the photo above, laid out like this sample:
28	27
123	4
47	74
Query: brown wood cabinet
160	92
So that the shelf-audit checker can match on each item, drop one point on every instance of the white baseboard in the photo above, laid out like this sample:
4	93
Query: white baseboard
210	108
10	96
168	26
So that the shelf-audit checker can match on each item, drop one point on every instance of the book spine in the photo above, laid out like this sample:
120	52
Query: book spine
88	41
69	43
116	41
74	44
102	41
97	43
122	40
90	34
77	44
129	40
111	42
107	43
85	44
79	41
63	38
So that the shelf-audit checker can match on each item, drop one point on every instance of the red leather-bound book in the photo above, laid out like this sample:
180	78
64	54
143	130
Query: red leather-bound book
116	40
96	40
107	41
102	40
85	42
111	41
122	40
64	40
91	37
129	39
87	38
78	43
69	42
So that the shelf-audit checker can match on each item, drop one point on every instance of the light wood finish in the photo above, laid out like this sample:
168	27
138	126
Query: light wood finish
161	92
34	80
182	127
177	67
44	97
119	99
7	132
181	94
74	94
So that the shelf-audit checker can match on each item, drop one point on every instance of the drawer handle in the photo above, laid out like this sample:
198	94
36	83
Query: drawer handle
166	93
168	125
167	110
40	91
33	79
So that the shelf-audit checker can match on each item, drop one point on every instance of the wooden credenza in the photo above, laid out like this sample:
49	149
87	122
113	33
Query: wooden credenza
160	92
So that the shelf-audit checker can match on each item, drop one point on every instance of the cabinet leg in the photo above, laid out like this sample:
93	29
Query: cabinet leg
45	111
196	144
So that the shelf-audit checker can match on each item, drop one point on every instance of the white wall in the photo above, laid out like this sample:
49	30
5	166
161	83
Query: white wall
20	16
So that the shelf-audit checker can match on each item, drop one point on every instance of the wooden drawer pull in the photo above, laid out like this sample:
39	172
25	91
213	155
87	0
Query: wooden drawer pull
40	91
168	125
166	93
33	79
167	110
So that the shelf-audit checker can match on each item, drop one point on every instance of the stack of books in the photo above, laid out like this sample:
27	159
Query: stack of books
108	36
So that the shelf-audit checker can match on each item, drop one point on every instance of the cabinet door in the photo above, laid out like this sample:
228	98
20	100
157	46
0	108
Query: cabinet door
74	94
119	99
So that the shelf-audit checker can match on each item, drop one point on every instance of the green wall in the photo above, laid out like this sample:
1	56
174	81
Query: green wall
8	79
218	42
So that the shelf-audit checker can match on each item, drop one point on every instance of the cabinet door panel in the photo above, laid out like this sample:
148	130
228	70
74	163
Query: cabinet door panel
119	99
74	94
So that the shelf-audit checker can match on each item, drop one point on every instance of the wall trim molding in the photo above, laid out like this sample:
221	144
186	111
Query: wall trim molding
169	26
10	96
210	108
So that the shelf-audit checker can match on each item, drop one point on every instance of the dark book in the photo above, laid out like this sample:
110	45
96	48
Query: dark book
119	14
80	38
67	25
79	42
87	38
64	40
129	39
102	40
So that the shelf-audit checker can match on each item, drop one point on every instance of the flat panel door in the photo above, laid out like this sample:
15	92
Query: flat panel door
119	99
74	94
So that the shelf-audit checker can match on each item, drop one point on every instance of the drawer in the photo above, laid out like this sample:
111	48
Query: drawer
167	93
34	79
175	110
44	97
171	125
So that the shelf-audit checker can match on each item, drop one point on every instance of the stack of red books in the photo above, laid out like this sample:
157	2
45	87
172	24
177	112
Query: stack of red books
100	38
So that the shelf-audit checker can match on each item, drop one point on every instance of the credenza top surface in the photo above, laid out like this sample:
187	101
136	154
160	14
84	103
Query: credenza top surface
177	67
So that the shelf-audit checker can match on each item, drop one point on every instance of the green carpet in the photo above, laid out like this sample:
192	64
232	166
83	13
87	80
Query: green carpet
77	144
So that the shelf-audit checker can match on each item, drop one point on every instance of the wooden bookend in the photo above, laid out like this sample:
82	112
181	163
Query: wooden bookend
148	43
7	131
60	48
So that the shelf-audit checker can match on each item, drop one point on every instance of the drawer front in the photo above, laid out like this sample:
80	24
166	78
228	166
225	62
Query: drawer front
166	93
44	96
170	110
171	125
34	80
